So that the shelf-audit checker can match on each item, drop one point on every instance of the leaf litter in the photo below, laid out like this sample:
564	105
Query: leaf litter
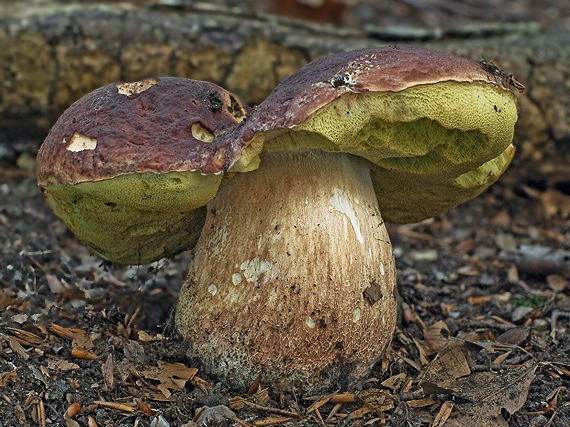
483	338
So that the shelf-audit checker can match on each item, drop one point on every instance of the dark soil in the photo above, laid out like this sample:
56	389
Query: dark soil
472	269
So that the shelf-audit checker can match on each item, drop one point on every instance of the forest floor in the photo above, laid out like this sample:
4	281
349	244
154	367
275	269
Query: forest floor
483	339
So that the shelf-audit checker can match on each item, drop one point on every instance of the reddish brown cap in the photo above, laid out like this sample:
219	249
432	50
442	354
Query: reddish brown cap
383	69
153	126
130	166
438	127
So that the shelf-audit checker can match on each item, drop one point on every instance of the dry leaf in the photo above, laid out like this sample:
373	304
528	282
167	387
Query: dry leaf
255	385
554	202
421	351
449	365
261	397
70	422
61	365
7	377
143	407
515	336
73	409
80	342
502	219
18	349
171	376
500	359
81	353
54	284
491	394
436	336
513	274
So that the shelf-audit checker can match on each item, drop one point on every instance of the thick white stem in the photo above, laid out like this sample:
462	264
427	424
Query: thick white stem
293	276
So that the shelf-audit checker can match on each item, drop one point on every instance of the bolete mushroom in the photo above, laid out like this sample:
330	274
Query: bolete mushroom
130	166
293	275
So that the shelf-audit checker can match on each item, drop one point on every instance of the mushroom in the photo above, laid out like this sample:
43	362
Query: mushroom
293	275
130	166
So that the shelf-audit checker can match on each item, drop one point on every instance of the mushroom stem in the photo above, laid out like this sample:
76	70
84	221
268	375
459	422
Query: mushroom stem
293	276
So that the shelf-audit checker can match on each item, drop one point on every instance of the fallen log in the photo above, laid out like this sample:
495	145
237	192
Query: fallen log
53	53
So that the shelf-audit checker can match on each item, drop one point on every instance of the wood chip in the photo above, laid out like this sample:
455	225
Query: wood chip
108	377
82	353
273	410
269	421
337	398
443	414
325	399
115	405
422	403
26	337
395	381
18	349
479	300
10	376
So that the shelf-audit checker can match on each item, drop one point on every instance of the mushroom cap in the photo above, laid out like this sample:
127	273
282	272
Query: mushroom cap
438	127
128	166
141	127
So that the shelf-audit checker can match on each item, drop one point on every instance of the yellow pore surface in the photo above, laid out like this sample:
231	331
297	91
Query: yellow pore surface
436	145
458	122
136	218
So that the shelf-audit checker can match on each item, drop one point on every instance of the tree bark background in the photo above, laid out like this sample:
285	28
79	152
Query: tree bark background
52	54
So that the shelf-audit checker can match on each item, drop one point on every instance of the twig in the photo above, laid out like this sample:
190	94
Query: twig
488	324
272	410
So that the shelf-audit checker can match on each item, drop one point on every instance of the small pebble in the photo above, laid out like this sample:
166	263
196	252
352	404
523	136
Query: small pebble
539	324
159	421
521	312
428	255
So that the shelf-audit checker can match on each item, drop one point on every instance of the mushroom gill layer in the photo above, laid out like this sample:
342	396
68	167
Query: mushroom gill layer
293	276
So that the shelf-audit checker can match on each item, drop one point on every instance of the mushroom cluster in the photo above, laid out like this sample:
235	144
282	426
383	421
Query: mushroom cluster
293	275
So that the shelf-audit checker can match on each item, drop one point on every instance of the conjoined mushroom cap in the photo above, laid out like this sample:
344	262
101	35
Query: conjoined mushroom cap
293	275
128	166
439	127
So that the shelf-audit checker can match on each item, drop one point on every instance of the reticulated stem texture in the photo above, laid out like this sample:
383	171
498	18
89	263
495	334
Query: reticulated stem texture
293	276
